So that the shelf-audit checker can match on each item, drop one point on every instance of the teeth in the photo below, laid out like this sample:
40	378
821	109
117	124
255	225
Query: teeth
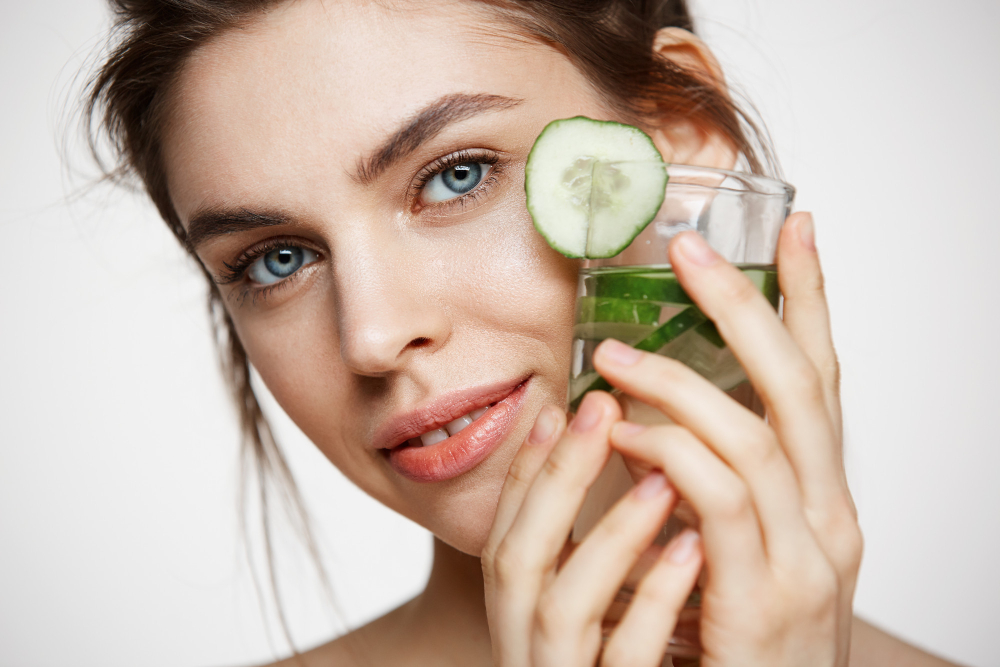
451	428
434	437
459	424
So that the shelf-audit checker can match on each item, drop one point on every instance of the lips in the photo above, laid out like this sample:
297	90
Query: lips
462	451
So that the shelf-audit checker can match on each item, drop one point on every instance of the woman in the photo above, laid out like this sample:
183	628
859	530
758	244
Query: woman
349	174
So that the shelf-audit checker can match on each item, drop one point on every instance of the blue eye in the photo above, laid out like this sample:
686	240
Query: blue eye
455	181
280	263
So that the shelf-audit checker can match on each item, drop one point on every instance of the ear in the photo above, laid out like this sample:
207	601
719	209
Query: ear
683	141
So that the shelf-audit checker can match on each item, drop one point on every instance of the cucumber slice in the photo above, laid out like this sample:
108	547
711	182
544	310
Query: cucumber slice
679	324
687	319
653	286
715	363
581	204
630	334
624	311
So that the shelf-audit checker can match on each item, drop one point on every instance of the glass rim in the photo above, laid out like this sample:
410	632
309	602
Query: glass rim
759	185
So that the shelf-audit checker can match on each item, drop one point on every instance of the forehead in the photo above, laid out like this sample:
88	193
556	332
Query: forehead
313	84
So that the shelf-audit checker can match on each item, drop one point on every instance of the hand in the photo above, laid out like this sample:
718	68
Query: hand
781	540
541	614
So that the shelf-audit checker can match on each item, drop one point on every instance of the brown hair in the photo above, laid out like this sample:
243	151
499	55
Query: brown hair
610	41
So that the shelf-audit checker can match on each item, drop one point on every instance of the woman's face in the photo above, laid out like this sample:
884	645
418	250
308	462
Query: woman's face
352	172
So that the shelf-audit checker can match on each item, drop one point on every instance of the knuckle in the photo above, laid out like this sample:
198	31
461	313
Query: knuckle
806	284
815	283
506	564
488	558
856	544
558	466
828	368
553	621
732	502
761	445
831	368
844	533
850	548
825	585
804	380
521	473
816	589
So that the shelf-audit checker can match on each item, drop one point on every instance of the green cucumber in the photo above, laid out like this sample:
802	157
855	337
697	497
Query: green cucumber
582	204
653	286
716	363
630	334
676	326
623	311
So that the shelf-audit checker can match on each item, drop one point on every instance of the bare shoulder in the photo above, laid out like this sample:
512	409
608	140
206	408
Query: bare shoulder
872	647
378	643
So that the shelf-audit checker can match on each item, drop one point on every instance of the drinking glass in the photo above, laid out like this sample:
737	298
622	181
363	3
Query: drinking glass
635	298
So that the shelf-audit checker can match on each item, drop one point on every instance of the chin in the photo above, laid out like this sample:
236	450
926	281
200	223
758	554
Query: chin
469	539
461	513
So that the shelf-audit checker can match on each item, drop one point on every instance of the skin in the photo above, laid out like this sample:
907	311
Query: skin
409	299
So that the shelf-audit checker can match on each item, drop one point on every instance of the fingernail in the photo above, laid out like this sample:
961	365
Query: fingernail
682	550
628	429
588	416
651	486
695	249
545	426
807	232
620	353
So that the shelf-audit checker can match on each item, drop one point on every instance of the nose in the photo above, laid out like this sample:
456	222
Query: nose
388	311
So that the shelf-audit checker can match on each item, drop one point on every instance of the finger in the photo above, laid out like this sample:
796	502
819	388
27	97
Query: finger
571	608
738	436
786	379
548	427
643	635
549	509
506	610
729	525
518	566
805	310
806	315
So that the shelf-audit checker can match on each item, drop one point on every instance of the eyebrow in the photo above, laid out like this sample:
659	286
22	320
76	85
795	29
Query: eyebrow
425	125
211	223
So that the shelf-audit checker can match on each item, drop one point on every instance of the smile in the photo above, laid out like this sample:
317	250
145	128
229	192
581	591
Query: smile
452	435
451	428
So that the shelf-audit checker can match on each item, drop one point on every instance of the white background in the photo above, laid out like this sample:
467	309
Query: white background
118	529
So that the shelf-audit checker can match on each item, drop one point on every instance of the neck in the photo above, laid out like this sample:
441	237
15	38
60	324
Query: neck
452	607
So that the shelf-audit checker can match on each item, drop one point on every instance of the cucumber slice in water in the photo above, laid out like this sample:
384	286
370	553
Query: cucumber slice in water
625	311
639	286
675	327
580	203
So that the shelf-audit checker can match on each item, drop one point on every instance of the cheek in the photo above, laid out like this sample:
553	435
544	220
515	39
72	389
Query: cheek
519	289
296	352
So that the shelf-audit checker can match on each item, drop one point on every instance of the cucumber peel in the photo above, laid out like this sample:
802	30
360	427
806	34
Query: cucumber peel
589	187
680	323
639	286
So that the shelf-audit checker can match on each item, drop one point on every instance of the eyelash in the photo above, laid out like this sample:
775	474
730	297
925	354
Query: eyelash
236	271
424	176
